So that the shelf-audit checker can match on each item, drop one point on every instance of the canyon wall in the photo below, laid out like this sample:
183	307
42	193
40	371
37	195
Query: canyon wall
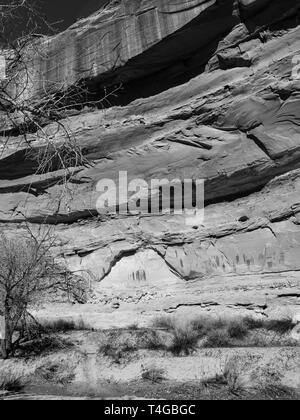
134	39
230	116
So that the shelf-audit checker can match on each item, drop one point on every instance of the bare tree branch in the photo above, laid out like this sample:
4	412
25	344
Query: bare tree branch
28	273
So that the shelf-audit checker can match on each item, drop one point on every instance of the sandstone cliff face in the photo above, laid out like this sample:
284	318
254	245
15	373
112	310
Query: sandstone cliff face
235	124
133	39
104	43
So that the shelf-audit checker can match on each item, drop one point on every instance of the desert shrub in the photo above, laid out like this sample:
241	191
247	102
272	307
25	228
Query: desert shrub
116	351
82	326
64	325
277	392
153	374
237	329
58	325
220	332
217	339
215	380
253	323
184	341
280	326
232	374
45	344
107	350
35	329
164	322
10	381
201	325
154	342
57	372
218	323
266	35
260	340
32	330
133	327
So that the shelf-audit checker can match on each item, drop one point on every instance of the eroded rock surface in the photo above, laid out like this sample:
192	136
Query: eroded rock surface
235	123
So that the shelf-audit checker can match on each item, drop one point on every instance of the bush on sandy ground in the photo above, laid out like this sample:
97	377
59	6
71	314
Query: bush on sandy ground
181	339
184	341
254	323
237	329
44	337
45	344
118	346
164	323
222	332
62	325
115	352
209	391
231	376
134	327
217	339
10	381
154	342
153	374
59	372
280	326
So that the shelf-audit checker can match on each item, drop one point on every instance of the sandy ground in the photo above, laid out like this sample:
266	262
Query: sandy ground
267	295
80	372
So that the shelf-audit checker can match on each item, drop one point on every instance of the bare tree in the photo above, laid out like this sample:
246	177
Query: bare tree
21	116
38	127
54	101
28	274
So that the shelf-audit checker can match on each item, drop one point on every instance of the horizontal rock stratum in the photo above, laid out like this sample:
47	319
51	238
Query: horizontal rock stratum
216	97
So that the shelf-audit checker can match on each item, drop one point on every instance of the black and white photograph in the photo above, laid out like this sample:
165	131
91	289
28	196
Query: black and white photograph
149	203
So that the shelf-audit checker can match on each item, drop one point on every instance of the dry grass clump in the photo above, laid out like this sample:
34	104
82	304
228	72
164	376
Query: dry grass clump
44	344
59	372
164	323
11	381
230	377
172	335
117	346
62	325
232	374
153	374
184	341
134	327
280	326
217	339
237	329
224	332
254	323
216	332
154	342
116	352
46	337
